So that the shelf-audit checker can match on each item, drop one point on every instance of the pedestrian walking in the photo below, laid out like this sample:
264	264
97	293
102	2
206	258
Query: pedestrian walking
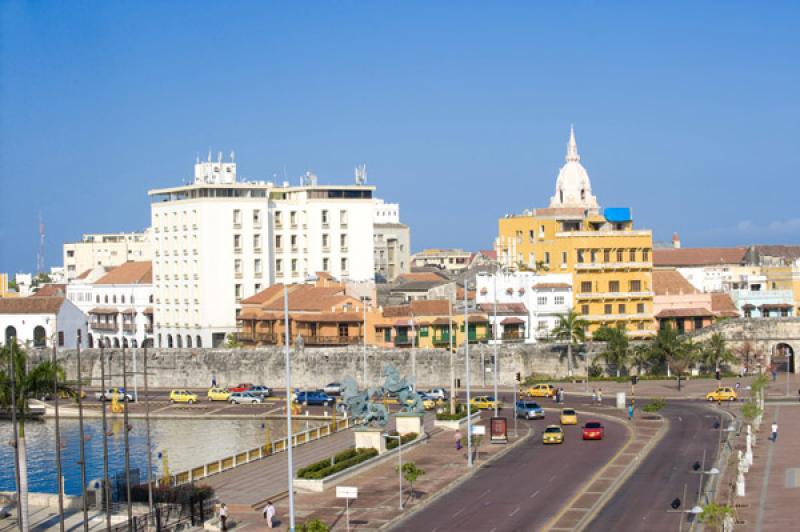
737	385
223	516
600	395
594	396
774	374
562	394
269	513
213	381
458	440
774	431
630	412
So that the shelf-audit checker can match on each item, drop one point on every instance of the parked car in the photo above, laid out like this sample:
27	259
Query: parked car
542	390
260	391
723	393
553	434
529	410
438	393
569	417
593	430
182	396
242	387
486	402
428	402
333	388
315	398
108	395
244	398
218	394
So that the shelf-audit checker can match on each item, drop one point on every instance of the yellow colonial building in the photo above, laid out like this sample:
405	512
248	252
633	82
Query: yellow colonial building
610	261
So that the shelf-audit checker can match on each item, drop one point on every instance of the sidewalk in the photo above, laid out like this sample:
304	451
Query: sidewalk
773	482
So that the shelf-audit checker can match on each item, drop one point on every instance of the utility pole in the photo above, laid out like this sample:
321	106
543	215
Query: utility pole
147	428
106	481
452	356
289	436
364	300
85	498
13	374
494	345
58	444
127	445
466	355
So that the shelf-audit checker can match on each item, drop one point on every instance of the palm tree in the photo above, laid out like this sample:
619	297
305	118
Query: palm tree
677	351
571	328
30	381
641	356
715	352
617	350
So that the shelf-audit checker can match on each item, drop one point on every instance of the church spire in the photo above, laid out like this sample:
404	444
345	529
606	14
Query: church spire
572	146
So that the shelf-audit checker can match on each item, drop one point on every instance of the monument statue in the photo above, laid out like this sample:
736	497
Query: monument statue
359	403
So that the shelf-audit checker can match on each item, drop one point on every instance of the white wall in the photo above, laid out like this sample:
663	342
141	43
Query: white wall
69	319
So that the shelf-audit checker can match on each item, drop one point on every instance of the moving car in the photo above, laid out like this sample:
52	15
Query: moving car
182	396
218	394
333	388
569	417
108	395
244	398
723	393
315	398
438	393
260	391
553	434
485	402
242	387
429	402
593	430
529	410
542	390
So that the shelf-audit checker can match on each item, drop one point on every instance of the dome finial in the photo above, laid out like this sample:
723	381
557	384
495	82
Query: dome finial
572	146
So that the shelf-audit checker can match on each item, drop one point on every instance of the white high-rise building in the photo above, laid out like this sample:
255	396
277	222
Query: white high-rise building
219	240
104	249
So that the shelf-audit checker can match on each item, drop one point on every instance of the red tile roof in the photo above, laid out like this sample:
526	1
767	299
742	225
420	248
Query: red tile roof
51	290
140	272
671	282
692	312
541	286
722	305
512	321
31	305
504	308
698	256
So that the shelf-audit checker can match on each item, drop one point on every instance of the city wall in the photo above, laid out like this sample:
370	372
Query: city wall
173	368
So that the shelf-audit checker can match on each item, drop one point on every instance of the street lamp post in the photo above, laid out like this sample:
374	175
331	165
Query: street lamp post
494	345
288	405
469	380
364	300
400	464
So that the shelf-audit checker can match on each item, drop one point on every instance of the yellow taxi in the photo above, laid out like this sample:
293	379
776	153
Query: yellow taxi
553	434
218	394
569	417
723	393
182	396
542	390
485	402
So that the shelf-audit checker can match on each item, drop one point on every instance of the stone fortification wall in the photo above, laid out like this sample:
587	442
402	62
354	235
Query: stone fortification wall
171	368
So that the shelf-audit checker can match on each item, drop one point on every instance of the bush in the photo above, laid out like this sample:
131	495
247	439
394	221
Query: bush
183	494
655	405
315	525
391	443
461	412
342	461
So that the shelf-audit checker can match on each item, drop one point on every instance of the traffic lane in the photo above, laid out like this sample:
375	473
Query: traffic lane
644	499
524	488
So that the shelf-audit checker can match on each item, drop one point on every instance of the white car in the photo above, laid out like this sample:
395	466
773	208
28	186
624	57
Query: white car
108	395
438	393
333	388
244	398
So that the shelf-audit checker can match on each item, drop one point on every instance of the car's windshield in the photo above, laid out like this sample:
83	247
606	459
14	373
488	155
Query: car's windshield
594	425
531	405
552	429
568	412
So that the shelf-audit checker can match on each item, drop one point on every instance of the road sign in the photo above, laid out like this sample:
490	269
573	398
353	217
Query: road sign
346	492
478	430
499	430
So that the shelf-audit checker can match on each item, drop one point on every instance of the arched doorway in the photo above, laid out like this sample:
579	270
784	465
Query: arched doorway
107	341
125	343
134	343
116	343
783	358
199	342
90	339
11	332
179	340
169	341
188	341
39	336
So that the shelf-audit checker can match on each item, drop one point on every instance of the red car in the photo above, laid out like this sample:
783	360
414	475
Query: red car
593	430
242	387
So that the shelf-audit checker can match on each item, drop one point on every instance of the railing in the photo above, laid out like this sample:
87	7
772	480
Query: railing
403	340
267	338
607	232
105	326
332	340
513	336
148	328
129	327
476	338
239	459
611	265
443	340
612	295
611	317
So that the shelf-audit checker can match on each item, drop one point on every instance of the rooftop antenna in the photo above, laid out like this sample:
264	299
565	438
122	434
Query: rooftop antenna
361	174
40	257
209	154
219	157
233	156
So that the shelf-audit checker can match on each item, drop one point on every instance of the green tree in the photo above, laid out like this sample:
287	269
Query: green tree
714	515
315	525
411	473
571	328
641	356
677	352
617	350
232	341
30	380
715	352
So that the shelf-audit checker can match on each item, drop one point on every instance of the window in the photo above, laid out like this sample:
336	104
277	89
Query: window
293	218
70	253
559	300
294	265
607	308
586	286
237	291
613	286
257	242
541	231
531	235
293	240
641	326
325	242
748	313
278	242
547	257
325	264
594	256
237	217
344	330
580	256
343	241
257	266
257	288
585	310
257	218
423	331
122	297
621	308
541	300
278	266
563	259
344	265
324	217
640	308
606	255
632	255
620	255
278	219
343	218
60	338
237	242
387	335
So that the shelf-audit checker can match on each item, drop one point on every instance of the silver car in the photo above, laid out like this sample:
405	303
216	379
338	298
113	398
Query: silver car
260	391
333	388
244	398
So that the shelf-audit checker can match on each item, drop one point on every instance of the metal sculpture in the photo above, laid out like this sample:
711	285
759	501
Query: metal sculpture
359	404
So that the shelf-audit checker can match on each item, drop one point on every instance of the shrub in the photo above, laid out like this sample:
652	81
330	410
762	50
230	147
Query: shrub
392	442
315	525
655	405
342	461
461	412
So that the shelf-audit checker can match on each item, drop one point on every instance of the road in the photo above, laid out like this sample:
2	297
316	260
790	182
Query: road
525	487
642	503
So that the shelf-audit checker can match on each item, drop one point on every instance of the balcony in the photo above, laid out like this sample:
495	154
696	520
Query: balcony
403	341
608	233
513	336
597	266
332	340
475	338
129	327
148	328
105	326
443	340
612	295
617	317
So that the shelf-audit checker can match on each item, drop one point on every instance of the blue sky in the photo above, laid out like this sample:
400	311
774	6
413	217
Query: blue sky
687	112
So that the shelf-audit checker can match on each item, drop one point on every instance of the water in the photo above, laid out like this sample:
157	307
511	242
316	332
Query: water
188	442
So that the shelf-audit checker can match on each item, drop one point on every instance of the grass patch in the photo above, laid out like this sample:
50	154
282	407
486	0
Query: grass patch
340	462
655	405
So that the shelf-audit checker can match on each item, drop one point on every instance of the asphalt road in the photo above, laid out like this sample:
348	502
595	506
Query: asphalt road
642	503
525	487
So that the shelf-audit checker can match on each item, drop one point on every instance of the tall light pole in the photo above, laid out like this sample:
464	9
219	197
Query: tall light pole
58	443
287	361
103	391
85	498
147	429
452	355
495	328
400	463
364	300
469	380
22	505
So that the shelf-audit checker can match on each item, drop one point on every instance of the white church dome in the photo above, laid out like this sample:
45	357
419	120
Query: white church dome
573	188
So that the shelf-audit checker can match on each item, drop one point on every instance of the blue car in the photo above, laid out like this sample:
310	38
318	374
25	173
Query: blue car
317	398
529	410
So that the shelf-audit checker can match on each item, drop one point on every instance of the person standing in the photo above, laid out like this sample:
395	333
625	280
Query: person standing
630	412
269	513
594	396
600	395
213	381
774	431
223	516
458	440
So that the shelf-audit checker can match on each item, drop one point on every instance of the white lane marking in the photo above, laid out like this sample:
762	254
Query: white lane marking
484	494
680	418
534	494
458	512
515	511
552	478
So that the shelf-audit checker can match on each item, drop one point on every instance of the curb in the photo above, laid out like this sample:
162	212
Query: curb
454	484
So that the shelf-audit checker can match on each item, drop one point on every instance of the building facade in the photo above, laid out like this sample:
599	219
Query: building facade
42	321
219	241
105	249
609	261
445	259
392	243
